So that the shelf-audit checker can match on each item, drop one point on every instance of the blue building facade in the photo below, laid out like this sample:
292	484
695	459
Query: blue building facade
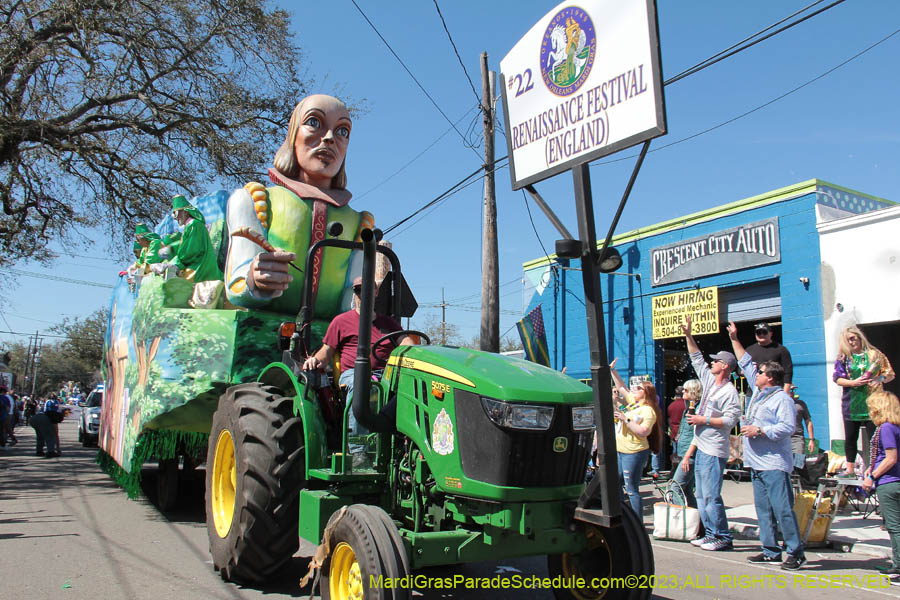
783	290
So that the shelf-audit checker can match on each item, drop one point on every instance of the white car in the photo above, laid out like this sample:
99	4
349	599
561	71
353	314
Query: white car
89	423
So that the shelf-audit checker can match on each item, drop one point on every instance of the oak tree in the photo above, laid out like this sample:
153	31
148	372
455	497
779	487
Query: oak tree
110	107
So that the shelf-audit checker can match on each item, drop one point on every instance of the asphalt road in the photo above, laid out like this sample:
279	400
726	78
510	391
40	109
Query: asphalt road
69	532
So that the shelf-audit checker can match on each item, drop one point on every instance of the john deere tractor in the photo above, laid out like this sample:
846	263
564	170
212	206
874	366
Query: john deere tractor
469	456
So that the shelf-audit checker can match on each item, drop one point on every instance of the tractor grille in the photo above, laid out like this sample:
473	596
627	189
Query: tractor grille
511	457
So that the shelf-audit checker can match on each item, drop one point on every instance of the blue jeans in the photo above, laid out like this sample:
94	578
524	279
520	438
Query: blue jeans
774	501
708	473
353	426
631	467
686	481
654	461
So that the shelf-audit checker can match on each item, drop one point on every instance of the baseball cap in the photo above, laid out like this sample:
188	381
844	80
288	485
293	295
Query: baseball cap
726	357
762	327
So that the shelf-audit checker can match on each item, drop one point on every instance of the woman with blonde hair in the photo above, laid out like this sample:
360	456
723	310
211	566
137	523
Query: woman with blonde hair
638	431
860	369
884	470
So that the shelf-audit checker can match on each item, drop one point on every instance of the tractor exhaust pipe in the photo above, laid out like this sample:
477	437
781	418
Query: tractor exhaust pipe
362	377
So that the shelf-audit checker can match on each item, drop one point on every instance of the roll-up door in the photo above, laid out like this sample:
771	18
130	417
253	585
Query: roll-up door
750	302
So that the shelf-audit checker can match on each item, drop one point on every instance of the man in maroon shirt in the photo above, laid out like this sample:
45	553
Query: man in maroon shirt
342	336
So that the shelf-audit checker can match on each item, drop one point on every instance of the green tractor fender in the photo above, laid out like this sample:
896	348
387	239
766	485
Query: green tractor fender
306	407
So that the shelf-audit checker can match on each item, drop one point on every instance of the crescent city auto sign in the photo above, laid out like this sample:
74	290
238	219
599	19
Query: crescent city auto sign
740	247
584	82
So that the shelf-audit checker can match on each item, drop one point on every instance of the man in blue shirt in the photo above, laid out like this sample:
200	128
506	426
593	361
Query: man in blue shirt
767	427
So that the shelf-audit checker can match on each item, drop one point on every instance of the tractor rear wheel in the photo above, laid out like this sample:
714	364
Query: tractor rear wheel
361	549
611	552
254	474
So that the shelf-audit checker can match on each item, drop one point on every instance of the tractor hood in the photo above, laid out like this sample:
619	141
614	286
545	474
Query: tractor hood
492	375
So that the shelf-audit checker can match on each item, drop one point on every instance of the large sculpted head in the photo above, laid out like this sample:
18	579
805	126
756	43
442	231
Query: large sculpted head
315	148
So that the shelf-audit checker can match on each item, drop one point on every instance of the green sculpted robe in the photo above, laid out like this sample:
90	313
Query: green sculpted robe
286	220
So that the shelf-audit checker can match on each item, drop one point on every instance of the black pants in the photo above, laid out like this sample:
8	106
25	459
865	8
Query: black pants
851	437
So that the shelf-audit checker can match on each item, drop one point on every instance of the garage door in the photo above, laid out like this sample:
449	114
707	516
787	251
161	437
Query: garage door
750	302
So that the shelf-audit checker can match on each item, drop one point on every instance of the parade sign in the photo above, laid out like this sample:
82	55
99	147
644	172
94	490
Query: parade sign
584	82
670	310
749	245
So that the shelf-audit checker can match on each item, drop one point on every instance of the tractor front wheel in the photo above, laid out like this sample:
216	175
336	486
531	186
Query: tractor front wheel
364	548
610	553
254	473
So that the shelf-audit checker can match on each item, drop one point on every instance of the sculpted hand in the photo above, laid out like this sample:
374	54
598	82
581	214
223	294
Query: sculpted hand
269	272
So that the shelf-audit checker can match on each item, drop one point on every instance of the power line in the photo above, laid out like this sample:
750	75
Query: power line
478	294
56	278
734	49
67	337
449	37
416	157
761	106
421	87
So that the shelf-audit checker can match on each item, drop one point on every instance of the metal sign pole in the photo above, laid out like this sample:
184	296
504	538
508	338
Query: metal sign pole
607	476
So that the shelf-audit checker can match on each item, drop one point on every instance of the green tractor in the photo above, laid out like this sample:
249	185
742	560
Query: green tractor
470	456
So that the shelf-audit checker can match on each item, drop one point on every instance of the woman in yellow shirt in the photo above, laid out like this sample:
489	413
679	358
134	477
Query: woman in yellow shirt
638	431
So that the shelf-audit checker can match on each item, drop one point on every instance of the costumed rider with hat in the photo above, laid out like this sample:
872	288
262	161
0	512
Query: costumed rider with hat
146	250
196	258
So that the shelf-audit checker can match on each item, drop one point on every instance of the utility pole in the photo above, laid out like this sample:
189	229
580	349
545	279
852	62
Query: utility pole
443	319
490	276
37	360
27	364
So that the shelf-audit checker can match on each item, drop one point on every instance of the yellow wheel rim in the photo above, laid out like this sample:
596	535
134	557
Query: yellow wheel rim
571	565
224	478
345	580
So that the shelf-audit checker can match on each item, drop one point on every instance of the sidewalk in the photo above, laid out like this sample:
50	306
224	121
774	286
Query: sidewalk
850	532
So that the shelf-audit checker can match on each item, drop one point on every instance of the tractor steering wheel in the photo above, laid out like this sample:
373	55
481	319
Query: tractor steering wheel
402	332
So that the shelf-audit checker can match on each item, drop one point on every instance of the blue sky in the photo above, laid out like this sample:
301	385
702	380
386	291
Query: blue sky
841	128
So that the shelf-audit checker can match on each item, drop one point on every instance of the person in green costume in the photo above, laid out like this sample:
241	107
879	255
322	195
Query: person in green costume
196	258
309	192
150	244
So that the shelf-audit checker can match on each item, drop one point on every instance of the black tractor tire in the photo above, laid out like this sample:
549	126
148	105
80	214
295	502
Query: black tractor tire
360	550
167	484
613	552
389	542
253	483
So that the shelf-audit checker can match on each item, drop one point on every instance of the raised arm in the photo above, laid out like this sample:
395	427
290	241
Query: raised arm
732	334
689	339
617	379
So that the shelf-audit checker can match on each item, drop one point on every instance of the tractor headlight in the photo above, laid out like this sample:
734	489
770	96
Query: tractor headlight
518	416
582	418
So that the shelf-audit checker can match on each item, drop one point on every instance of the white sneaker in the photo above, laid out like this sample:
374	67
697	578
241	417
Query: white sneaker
703	540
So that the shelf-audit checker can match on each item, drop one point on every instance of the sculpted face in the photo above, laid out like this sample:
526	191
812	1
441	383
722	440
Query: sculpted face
322	139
